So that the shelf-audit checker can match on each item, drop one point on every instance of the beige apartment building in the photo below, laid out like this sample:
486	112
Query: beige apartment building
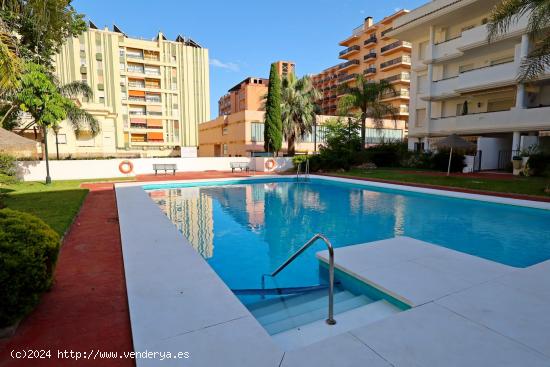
462	84
241	134
249	94
371	52
149	95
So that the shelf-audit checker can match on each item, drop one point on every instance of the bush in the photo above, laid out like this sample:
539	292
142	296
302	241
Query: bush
539	164
422	160
299	159
8	168
386	154
28	254
440	161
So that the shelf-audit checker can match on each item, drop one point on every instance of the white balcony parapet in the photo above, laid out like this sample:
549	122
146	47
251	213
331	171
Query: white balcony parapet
503	121
443	88
488	77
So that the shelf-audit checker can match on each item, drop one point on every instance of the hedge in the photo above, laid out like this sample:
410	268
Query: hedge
28	254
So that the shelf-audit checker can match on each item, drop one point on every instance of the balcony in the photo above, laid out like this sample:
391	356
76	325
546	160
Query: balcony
510	120
399	94
472	38
491	76
357	31
370	71
443	88
349	51
348	64
347	77
395	46
369	56
371	40
401	77
400	61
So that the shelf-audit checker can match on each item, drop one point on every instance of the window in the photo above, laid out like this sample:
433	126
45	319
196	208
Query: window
422	50
502	60
377	136
420	117
225	130
256	132
225	149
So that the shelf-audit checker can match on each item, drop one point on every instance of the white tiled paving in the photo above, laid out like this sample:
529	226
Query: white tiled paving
431	335
466	311
413	271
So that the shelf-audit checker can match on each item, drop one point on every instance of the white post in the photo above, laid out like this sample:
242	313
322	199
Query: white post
450	157
516	140
524	51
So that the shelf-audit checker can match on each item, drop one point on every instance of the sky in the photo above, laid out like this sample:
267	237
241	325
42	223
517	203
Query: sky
245	36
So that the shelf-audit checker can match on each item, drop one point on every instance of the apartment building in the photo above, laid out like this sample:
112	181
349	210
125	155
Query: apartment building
149	95
371	52
241	134
462	84
249	94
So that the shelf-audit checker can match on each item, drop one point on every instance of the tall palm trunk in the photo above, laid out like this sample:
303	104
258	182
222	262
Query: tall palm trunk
291	147
363	130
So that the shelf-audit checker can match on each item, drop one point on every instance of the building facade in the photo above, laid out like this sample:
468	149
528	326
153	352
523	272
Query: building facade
149	95
249	94
241	134
371	52
461	83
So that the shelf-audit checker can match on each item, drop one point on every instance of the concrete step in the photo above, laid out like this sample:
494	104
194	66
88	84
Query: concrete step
298	337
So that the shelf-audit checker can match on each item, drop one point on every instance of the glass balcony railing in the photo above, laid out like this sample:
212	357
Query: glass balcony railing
399	60
370	55
370	71
370	40
348	64
400	76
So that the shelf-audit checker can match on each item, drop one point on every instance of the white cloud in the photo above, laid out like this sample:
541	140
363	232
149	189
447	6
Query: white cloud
224	65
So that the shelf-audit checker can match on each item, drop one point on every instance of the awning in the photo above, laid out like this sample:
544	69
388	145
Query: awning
154	123
138	121
155	136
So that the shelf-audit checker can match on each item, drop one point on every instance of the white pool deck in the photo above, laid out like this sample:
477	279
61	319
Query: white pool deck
465	311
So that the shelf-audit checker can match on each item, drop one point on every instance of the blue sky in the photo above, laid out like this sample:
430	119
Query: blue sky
244	37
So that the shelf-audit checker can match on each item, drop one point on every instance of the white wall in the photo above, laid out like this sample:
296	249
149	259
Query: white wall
108	168
490	147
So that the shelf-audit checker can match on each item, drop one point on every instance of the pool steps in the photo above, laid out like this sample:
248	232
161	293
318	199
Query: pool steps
303	317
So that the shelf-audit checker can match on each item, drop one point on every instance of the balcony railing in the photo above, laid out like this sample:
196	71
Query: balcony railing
345	78
400	76
370	71
371	39
370	55
395	44
399	60
135	70
348	64
136	85
349	49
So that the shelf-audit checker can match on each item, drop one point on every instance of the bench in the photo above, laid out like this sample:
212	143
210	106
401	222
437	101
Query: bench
165	167
243	166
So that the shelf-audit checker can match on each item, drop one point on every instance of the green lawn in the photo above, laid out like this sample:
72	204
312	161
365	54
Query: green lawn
56	204
519	185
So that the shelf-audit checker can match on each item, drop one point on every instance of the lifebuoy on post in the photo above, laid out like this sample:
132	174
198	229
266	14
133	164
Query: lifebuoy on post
126	167
270	164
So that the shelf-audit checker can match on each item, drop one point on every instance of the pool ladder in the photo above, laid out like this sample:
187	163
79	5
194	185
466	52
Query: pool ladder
330	320
299	171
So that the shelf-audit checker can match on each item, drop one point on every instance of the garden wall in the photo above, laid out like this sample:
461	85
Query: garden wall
109	168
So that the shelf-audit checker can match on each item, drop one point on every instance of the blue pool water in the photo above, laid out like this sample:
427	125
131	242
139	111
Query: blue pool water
246	229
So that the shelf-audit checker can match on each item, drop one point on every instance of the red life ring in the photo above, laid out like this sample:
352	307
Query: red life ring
270	164
125	167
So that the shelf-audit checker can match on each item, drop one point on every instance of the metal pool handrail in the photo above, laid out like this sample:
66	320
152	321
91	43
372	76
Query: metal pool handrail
330	320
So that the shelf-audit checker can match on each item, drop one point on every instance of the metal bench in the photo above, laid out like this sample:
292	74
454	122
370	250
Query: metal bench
165	167
243	166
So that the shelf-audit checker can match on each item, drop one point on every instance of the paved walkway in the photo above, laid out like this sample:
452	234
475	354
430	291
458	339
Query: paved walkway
87	307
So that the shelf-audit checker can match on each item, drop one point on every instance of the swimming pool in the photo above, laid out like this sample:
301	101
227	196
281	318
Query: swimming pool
246	229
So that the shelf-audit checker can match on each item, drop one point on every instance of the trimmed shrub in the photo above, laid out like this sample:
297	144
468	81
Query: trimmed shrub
8	168
299	159
539	164
418	160
28	254
440	161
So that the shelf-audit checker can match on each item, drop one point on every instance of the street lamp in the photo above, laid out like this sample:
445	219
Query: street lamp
56	129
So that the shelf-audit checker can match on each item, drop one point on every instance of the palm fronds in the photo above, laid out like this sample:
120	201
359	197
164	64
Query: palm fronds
80	118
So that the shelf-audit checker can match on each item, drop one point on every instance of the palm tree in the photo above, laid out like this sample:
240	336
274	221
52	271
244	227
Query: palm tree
10	64
365	99
298	108
508	12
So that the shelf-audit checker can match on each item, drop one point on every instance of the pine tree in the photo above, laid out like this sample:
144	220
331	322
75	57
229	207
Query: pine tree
273	131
